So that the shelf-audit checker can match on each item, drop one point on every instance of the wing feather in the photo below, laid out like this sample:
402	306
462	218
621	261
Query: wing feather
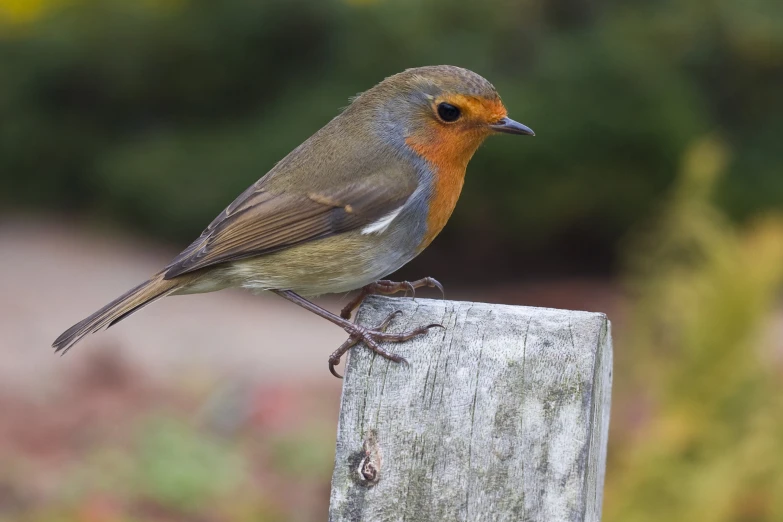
263	220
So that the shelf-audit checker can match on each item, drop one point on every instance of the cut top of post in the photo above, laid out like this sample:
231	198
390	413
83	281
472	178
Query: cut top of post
501	416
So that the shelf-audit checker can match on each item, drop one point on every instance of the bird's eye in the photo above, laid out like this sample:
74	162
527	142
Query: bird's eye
448	112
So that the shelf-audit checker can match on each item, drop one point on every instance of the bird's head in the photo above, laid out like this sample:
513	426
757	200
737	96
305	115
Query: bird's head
442	112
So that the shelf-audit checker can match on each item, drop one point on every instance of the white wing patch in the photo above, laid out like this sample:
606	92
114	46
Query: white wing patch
378	227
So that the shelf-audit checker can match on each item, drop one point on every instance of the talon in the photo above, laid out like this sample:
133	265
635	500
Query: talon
334	359
386	322
431	282
434	283
387	287
333	371
372	336
401	337
393	357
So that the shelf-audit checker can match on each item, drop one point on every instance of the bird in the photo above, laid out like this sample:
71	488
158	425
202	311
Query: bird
353	203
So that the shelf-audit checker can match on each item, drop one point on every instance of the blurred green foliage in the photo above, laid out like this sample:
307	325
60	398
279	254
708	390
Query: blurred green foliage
156	114
700	431
171	466
181	468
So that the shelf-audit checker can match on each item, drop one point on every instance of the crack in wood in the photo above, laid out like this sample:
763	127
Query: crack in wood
518	431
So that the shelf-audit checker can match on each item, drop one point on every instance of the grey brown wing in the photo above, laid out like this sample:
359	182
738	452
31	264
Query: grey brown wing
262	221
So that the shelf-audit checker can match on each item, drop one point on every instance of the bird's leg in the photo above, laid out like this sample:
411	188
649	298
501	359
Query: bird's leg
386	287
334	359
369	336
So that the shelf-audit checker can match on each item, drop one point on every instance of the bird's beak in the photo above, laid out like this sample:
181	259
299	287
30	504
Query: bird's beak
509	126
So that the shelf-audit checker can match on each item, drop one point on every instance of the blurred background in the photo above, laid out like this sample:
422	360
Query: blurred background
652	192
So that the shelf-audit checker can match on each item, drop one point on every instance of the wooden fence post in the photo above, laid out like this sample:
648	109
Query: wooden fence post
502	416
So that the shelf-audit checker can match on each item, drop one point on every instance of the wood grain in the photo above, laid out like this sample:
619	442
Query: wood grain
502	416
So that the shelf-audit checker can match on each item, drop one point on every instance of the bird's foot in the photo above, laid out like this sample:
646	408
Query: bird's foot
372	336
386	287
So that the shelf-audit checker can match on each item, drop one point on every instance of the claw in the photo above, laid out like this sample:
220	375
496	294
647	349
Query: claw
431	282
389	287
333	371
334	359
371	337
434	283
386	322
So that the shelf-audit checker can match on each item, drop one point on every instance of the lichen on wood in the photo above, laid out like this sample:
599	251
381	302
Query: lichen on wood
501	416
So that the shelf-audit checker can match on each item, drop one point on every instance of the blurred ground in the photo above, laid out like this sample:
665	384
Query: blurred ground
224	366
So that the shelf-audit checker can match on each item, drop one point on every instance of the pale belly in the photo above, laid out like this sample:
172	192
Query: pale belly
333	265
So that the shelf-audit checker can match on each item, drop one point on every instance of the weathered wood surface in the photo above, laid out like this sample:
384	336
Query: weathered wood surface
502	416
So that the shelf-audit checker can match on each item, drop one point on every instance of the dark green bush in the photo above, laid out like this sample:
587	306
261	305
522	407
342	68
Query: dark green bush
156	116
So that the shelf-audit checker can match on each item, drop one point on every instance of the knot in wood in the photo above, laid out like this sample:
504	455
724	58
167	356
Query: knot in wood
369	461
367	469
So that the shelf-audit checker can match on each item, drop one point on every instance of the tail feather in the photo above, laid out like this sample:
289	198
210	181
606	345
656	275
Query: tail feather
117	310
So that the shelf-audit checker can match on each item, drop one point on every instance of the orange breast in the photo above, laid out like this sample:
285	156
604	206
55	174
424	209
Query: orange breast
448	149
448	157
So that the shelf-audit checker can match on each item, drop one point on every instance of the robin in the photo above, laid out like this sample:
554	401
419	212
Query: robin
356	201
